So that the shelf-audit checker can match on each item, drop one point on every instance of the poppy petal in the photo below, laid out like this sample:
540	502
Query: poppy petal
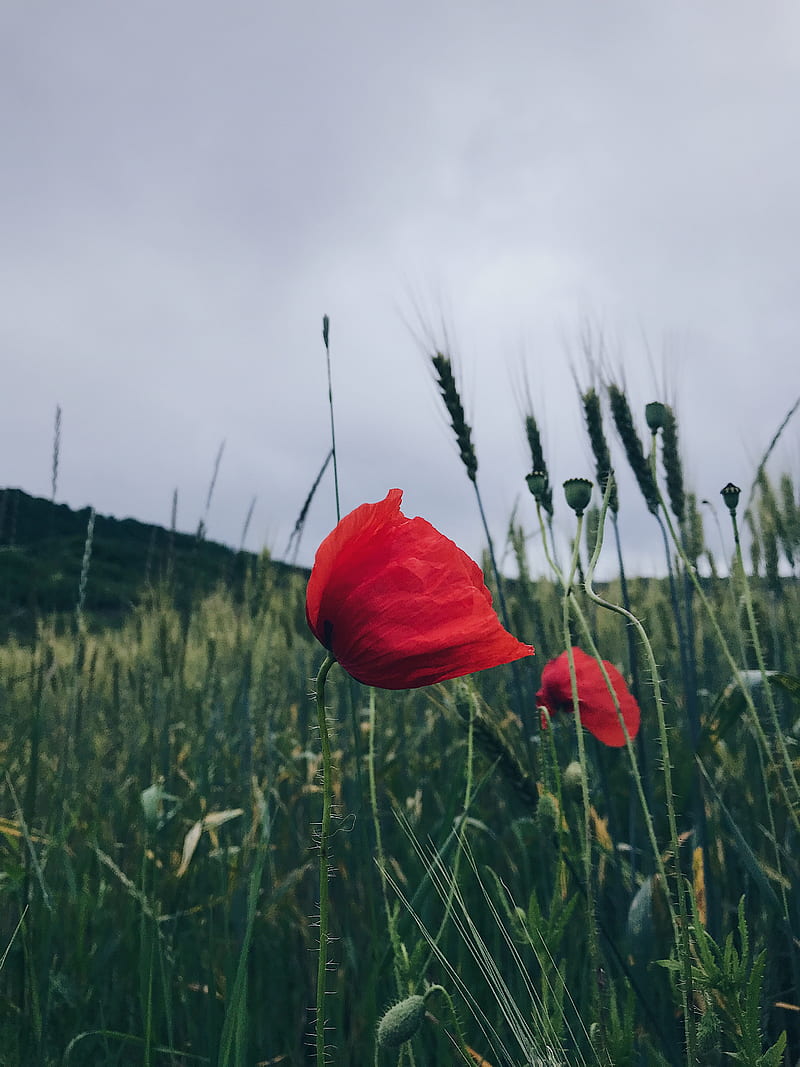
400	605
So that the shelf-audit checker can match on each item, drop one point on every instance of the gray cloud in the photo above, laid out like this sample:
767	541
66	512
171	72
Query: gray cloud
186	189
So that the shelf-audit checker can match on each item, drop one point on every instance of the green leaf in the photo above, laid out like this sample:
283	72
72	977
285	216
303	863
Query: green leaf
773	1057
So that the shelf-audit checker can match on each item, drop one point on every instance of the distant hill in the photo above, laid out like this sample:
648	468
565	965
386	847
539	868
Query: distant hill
41	552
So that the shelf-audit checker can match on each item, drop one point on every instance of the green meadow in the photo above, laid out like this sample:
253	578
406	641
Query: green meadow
509	894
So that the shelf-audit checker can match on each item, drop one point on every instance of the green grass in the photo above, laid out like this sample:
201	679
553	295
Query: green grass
159	794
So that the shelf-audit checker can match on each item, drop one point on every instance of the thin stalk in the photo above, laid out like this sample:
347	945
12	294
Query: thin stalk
326	339
324	849
636	689
394	936
515	670
468	792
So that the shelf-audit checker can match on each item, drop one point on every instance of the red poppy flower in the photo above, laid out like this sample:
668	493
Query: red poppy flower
596	705
399	605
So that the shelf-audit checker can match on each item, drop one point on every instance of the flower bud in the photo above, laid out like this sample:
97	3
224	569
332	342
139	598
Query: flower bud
547	814
572	779
578	492
730	494
401	1022
655	414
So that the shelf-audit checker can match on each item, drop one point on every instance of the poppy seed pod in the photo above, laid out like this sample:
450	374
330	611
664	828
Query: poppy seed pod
572	779
578	492
399	605
537	483
730	494
655	413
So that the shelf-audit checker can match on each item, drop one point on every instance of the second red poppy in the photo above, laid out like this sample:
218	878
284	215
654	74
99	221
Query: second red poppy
598	712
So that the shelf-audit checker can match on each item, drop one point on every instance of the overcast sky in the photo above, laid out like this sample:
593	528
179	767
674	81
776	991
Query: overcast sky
187	187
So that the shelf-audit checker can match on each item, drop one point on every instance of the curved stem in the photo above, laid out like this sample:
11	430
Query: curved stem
457	1036
324	846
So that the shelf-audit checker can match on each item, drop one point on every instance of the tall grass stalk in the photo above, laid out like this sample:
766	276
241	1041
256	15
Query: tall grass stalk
461	825
448	388
326	324
202	526
538	1043
56	453
297	531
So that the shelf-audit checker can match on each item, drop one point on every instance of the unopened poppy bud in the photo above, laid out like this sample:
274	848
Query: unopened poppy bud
572	778
655	413
401	1022
730	494
578	492
547	814
537	483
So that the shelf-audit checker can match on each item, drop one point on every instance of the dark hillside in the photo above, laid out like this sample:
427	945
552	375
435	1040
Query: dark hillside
41	552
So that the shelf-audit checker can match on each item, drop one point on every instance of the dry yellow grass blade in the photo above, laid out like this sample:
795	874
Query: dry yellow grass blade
209	822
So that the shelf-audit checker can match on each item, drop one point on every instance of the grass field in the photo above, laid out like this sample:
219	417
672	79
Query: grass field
553	900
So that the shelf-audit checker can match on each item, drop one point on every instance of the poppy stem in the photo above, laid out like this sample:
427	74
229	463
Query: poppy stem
324	847
457	1036
591	918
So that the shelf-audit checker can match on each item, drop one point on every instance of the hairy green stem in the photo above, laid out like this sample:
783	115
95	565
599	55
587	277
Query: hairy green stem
567	597
457	1036
324	847
567	603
